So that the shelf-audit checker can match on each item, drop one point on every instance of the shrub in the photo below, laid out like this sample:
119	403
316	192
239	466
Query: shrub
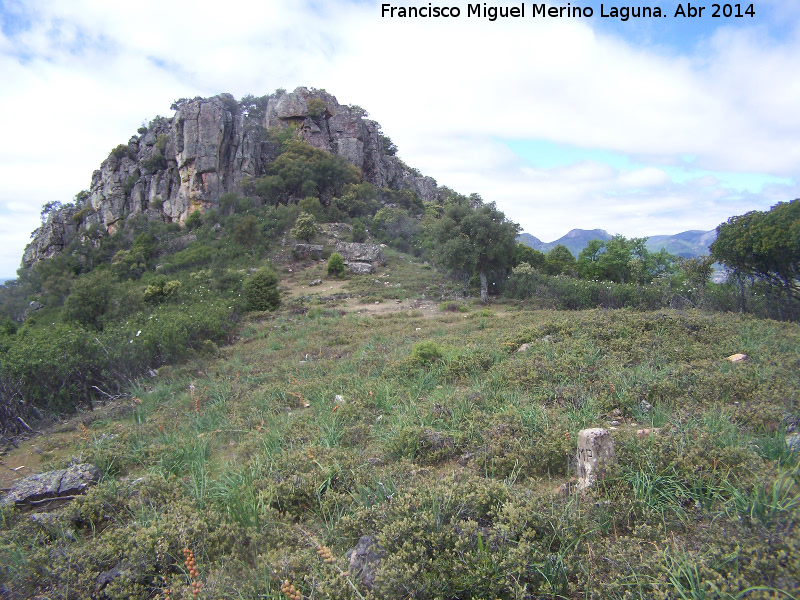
335	264
359	234
80	216
317	108
426	352
155	162
161	290
90	299
305	227
123	151
194	220
261	290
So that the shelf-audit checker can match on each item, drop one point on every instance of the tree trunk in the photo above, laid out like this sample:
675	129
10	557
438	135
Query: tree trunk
484	288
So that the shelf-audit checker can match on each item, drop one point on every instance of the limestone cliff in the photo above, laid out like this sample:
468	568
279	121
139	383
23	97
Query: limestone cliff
209	148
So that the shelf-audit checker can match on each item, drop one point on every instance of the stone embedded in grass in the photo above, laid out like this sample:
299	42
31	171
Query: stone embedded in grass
361	268
595	452
46	488
793	442
738	357
364	561
315	282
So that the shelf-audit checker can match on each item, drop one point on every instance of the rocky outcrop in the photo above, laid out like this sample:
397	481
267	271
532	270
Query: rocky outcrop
362	253
211	147
325	124
51	487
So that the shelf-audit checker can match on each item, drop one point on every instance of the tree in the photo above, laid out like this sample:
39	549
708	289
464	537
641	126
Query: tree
559	261
261	290
90	299
246	232
623	260
525	254
303	171
475	239
764	245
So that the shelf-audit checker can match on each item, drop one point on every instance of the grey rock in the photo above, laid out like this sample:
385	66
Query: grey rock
34	305
315	282
63	484
360	268
177	244
364	561
368	253
308	251
105	578
645	407
793	442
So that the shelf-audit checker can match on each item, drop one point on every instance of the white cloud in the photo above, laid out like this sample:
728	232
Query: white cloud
86	74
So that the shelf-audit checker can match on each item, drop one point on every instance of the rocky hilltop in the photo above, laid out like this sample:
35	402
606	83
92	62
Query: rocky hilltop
214	146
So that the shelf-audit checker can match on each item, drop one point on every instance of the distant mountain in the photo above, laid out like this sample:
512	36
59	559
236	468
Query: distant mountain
533	242
576	240
687	244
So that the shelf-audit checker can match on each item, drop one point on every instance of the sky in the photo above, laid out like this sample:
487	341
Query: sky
645	126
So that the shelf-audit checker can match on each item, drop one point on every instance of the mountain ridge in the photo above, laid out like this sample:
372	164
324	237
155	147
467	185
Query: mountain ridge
687	244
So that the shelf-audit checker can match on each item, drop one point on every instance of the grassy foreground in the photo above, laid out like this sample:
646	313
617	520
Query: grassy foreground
432	434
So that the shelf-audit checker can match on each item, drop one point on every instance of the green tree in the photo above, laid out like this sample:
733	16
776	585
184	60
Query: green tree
476	239
246	233
303	171
525	254
313	207
91	299
194	220
305	227
394	226
261	290
560	261
359	233
589	260
335	264
764	245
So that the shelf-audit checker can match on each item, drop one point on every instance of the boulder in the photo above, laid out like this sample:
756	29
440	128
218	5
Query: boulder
308	251
360	268
54	486
353	252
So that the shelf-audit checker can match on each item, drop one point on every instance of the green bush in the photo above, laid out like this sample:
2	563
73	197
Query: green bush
335	264
317	108
261	290
91	299
305	227
359	233
155	162
123	151
194	220
161	290
426	352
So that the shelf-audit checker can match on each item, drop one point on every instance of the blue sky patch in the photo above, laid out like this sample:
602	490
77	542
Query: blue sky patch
542	154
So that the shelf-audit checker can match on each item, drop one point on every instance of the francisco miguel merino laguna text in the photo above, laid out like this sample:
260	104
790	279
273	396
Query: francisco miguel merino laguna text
623	13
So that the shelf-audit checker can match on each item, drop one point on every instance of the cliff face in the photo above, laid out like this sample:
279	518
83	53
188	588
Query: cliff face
208	149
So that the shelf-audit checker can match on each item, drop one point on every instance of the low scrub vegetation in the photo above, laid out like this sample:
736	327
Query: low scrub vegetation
447	446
